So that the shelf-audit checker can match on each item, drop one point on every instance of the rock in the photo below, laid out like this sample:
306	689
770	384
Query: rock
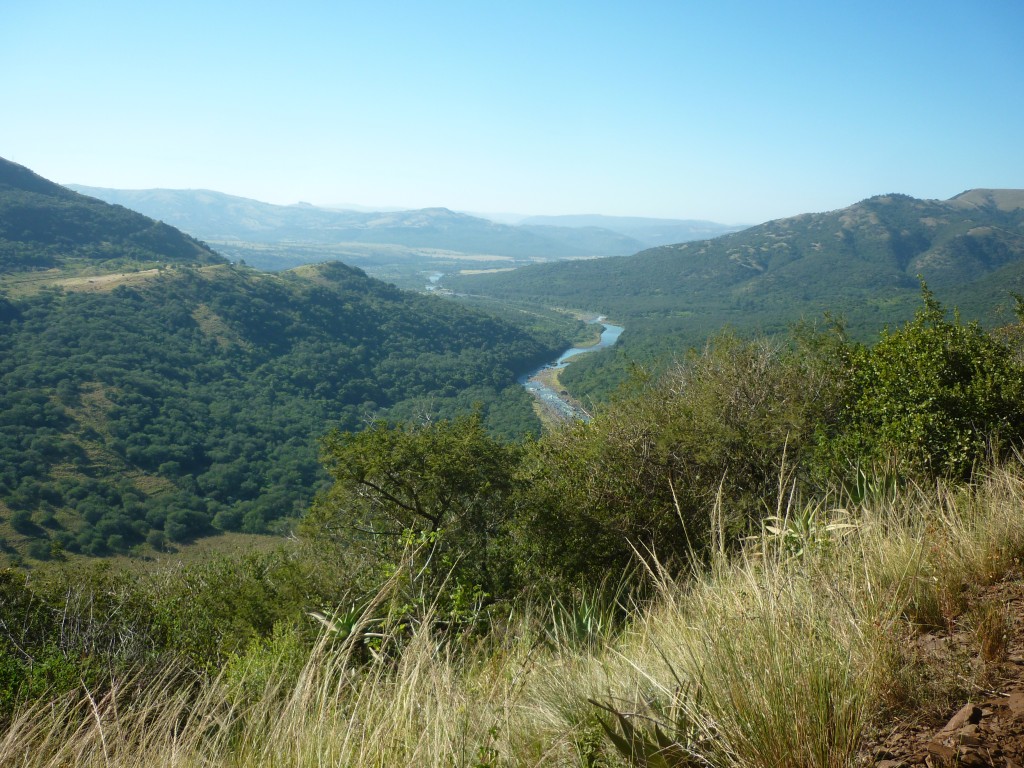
971	759
968	715
941	751
1015	702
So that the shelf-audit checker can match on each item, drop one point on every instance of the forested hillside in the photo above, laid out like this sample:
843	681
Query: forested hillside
44	225
194	402
861	263
156	405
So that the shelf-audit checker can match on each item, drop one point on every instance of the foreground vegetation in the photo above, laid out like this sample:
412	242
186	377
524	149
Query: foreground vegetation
727	567
781	654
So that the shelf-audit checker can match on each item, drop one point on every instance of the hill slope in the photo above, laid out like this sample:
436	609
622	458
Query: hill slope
165	404
860	262
44	225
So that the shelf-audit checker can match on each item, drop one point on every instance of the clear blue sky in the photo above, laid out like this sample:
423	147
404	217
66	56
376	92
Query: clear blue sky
737	112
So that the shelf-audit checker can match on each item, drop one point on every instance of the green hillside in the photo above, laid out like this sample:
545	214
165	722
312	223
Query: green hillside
861	263
44	225
156	405
194	401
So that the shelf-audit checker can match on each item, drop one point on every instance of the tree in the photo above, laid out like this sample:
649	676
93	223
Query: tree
443	487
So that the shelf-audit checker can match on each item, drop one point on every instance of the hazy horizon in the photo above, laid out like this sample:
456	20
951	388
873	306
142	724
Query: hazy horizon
734	112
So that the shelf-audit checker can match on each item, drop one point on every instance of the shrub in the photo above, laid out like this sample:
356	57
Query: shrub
21	521
39	549
647	473
935	398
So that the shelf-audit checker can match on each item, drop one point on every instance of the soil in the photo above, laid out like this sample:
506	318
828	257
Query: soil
985	727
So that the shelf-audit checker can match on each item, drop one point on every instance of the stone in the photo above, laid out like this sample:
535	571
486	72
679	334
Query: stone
941	751
967	715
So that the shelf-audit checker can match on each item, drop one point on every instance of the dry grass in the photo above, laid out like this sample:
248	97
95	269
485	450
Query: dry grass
773	657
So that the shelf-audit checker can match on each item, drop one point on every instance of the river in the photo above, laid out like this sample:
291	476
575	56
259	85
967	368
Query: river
537	382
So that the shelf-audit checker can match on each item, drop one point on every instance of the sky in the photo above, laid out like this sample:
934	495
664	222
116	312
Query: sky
735	112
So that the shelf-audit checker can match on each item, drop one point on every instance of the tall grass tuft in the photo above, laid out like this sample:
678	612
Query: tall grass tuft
782	654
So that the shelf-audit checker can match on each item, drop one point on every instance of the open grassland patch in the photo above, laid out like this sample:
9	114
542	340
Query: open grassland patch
213	326
103	283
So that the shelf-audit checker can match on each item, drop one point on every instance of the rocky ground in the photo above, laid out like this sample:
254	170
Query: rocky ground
984	650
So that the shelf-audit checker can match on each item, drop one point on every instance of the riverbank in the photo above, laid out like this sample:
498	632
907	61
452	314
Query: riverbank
552	402
555	410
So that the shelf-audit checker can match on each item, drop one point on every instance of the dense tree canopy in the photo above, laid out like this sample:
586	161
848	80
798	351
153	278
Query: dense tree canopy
193	402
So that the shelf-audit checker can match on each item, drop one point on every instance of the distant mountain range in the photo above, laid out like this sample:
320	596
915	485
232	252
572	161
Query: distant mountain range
217	217
651	232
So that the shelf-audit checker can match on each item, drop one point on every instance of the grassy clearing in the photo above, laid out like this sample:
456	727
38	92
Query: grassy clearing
783	654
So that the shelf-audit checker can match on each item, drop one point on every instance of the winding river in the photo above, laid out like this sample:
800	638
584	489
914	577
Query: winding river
536	382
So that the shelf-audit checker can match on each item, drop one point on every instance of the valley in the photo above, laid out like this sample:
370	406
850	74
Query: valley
166	400
228	491
512	385
396	246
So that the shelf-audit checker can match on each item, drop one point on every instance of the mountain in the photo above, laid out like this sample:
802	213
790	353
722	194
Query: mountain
649	232
44	225
861	262
157	405
218	217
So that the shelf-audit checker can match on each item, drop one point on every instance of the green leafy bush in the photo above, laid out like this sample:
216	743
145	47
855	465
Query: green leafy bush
715	432
934	398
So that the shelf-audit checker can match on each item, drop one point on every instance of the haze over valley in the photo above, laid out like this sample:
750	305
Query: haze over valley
399	246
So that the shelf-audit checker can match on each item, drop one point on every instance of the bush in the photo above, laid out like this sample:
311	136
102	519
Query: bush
442	490
647	473
933	399
39	549
21	521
